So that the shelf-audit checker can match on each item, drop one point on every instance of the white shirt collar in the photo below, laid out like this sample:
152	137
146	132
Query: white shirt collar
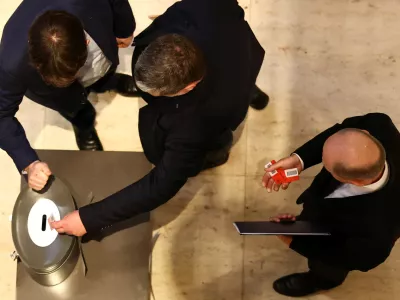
373	187
349	190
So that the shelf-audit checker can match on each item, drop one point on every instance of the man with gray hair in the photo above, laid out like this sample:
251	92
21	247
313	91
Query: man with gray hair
196	66
355	195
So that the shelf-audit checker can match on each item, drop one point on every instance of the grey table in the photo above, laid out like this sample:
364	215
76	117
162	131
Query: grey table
117	260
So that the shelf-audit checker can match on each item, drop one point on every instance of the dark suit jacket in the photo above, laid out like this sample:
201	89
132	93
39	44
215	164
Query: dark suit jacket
104	20
364	228
178	132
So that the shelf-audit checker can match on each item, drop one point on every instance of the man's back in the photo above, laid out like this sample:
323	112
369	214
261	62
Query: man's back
14	43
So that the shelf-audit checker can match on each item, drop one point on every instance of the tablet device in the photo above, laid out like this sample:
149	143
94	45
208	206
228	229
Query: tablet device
273	228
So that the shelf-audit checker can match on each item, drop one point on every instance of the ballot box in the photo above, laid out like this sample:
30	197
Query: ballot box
110	264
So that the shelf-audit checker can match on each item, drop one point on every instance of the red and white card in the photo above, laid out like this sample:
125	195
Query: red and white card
283	176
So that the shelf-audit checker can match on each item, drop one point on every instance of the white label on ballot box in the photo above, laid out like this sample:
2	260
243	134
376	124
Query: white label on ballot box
38	222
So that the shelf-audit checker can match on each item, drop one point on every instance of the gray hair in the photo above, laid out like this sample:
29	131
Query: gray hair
169	64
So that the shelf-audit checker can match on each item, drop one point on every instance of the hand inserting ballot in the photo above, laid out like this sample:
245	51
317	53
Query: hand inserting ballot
71	224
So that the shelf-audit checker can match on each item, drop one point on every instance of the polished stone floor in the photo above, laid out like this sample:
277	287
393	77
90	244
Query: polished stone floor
325	60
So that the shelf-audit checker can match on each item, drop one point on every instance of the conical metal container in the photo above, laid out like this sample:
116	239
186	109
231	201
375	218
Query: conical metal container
48	256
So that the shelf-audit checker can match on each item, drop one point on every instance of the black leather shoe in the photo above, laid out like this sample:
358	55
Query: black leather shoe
126	85
258	99
297	285
88	140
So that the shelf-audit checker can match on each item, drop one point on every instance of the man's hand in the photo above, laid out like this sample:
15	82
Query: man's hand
124	43
290	162
278	218
38	175
284	238
71	224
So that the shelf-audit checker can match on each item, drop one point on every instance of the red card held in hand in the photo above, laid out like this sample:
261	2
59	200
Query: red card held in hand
283	176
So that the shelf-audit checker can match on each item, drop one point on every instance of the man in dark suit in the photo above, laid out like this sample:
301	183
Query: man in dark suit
196	66
355	195
55	52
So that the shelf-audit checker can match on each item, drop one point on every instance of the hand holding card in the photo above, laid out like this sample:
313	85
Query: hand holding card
282	173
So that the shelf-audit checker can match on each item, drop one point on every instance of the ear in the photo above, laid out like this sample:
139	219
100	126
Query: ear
87	42
191	86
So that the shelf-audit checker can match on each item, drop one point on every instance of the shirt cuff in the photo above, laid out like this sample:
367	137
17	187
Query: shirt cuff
301	161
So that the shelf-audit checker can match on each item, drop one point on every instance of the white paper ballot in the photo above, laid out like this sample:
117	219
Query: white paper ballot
38	225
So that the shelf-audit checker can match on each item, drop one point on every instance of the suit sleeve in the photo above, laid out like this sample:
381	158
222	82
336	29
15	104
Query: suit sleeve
353	254
124	21
311	152
12	136
181	160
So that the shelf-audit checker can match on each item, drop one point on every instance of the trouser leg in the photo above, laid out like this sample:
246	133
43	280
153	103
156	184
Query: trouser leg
327	276
220	156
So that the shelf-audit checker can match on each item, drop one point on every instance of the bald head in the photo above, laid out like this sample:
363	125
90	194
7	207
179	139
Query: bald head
353	155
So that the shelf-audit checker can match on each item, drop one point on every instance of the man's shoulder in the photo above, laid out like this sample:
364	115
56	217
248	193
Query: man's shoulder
208	13
382	118
381	125
377	124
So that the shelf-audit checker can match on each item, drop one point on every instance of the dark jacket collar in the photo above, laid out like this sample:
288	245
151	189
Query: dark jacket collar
189	101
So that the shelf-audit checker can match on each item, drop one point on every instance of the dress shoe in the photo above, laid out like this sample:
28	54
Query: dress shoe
299	285
88	140
125	85
258	99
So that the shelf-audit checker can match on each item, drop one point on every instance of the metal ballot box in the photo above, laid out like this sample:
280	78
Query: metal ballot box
113	264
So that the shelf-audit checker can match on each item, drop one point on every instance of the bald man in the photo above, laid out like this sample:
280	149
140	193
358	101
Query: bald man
356	195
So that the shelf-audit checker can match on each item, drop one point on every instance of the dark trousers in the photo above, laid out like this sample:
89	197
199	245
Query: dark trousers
85	117
327	276
218	157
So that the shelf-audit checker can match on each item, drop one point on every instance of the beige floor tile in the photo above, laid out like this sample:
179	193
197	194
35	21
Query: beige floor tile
117	125
117	122
273	134
142	9
58	133
199	253
32	118
335	27
266	258
325	61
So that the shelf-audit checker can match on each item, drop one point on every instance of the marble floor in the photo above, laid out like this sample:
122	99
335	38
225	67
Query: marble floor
325	60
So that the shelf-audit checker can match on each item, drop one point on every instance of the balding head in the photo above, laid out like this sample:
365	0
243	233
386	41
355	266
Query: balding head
354	156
